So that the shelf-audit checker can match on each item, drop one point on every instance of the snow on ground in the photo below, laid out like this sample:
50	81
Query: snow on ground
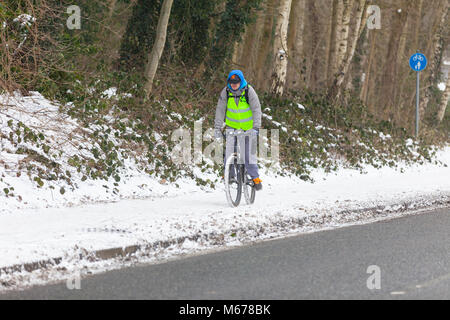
36	234
43	116
190	219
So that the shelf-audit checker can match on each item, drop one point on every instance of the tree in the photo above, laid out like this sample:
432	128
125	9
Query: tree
361	18
435	58
444	101
280	48
158	46
296	42
264	49
343	32
233	20
336	26
390	74
403	67
372	38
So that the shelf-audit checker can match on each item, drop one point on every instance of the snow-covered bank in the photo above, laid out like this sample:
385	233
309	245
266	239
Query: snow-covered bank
50	159
282	207
72	214
37	140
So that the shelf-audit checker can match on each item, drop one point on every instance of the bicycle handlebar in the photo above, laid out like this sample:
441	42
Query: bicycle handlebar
239	133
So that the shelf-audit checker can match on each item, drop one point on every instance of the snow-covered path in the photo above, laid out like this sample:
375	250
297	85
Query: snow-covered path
29	235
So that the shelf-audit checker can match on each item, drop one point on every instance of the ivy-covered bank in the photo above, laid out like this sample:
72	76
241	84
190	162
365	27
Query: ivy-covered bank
73	111
54	146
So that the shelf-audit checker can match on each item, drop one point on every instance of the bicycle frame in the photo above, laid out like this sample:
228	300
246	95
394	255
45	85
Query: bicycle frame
241	176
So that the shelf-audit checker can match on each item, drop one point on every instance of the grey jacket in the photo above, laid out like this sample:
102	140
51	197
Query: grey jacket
254	103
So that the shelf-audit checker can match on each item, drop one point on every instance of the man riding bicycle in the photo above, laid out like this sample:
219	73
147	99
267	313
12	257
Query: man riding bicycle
240	107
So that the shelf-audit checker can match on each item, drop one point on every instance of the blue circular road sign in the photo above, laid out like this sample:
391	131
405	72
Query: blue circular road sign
418	62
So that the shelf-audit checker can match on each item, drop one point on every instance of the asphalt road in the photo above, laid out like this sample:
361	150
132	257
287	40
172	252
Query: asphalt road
412	255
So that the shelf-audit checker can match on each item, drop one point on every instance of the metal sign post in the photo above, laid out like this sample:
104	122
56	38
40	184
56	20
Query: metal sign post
417	103
418	62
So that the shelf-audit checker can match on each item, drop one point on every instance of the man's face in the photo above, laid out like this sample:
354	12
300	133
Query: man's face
235	86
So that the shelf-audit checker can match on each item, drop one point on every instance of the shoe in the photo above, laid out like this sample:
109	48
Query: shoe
258	184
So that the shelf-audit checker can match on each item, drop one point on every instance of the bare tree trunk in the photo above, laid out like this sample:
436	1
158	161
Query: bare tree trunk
361	17
295	43
434	59
237	48
314	72
418	8
112	7
264	59
389	79
242	49
367	73
361	20
343	32
252	51
246	51
444	102
280	48
401	57
402	68
336	26
158	46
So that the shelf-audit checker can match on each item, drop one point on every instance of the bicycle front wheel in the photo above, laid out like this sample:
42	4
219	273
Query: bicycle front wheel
233	183
249	189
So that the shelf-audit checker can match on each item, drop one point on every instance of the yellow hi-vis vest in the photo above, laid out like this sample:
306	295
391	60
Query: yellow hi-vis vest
239	116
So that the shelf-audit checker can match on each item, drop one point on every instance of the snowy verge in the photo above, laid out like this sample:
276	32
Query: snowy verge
39	222
41	150
79	263
162	228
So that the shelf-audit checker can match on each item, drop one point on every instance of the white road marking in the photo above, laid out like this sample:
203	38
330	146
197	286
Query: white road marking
397	292
425	284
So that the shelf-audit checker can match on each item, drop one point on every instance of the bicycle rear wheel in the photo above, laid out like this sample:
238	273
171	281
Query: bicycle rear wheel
233	182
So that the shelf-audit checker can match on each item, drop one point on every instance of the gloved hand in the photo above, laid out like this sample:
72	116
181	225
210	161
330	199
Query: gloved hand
218	134
254	132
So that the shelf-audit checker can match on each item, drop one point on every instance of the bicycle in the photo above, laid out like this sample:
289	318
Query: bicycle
236	176
417	57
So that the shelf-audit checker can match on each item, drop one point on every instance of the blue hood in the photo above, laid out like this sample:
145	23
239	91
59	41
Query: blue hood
240	75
